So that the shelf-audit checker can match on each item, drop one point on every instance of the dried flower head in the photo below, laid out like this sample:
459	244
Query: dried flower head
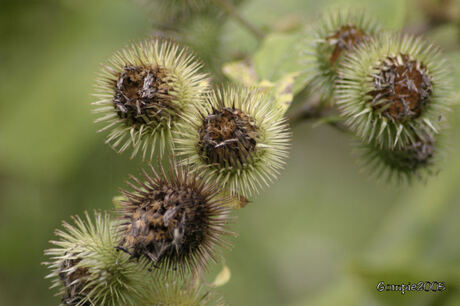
334	35
238	140
88	269
416	160
176	221
176	292
393	90
143	90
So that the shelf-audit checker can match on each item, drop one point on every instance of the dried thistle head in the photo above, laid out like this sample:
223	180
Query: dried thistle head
237	140
176	221
402	88
335	34
87	268
393	90
417	160
142	92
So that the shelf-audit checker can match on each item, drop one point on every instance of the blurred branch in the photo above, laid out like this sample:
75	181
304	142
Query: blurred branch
228	6
313	108
309	110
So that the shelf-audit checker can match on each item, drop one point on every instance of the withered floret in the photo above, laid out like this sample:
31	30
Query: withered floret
416	160
142	95
402	88
347	37
73	279
417	155
227	137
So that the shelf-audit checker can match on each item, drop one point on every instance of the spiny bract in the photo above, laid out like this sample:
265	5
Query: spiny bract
176	221
176	292
393	90
143	90
237	140
89	270
335	34
417	160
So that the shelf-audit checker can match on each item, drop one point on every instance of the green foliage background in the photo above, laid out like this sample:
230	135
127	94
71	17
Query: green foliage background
324	234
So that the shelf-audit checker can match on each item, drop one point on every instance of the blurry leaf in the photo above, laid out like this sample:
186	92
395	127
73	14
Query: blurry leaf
284	91
277	61
202	33
288	23
278	55
237	42
241	72
222	278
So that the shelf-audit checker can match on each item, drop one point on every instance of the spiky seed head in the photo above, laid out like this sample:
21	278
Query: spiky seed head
393	90
87	268
176	221
238	140
177	292
143	90
418	160
335	34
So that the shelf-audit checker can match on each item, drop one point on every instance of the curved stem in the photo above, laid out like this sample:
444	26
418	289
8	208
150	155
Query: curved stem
313	109
228	6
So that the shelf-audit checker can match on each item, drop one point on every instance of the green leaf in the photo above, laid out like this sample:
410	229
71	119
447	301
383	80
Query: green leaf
268	14
241	72
284	91
278	55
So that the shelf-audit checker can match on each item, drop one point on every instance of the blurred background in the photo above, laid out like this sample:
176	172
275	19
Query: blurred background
324	234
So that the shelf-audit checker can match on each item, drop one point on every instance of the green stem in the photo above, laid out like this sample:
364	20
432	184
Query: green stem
313	109
228	6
